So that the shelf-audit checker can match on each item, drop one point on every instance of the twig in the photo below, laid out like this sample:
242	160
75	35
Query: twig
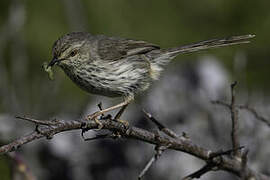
221	103
255	113
221	152
147	166
197	174
244	164
224	163
159	150
160	126
235	122
40	122
234	118
247	108
100	136
209	164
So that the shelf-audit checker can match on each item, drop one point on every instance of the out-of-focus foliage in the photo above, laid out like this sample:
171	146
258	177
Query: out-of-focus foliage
167	23
28	29
5	168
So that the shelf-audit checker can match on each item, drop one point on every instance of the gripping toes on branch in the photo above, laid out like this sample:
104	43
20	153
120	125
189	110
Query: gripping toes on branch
94	117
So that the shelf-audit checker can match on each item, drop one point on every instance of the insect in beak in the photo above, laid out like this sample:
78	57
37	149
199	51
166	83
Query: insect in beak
54	61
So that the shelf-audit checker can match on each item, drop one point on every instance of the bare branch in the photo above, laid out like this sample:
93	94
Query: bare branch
100	136
221	152
228	164
159	151
221	103
160	126
216	160
146	168
39	122
210	166
255	113
241	157
244	164
235	122
247	108
197	174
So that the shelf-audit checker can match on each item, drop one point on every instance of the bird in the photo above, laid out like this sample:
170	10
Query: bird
120	67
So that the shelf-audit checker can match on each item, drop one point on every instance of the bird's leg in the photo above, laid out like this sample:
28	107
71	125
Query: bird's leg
98	113
119	114
100	107
103	115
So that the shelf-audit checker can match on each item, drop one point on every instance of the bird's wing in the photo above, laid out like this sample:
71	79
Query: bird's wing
112	48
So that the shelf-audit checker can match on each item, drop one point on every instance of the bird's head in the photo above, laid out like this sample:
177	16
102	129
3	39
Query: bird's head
71	49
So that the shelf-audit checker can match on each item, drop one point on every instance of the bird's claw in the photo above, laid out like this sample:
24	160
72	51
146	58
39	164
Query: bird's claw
94	117
124	122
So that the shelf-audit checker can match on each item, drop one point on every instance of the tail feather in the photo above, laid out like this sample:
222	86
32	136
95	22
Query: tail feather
213	43
163	57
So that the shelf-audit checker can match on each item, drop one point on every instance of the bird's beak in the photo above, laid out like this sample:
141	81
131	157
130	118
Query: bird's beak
53	61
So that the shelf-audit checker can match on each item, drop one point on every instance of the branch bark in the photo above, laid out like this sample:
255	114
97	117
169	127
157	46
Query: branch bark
54	127
235	123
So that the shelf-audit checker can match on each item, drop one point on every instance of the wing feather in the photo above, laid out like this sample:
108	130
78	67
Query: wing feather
111	48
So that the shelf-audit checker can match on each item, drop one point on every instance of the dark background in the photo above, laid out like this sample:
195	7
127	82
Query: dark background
181	99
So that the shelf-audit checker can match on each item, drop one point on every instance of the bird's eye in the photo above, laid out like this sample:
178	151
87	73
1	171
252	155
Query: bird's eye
73	53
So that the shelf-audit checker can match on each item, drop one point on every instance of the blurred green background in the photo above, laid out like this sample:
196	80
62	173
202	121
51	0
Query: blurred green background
32	27
28	29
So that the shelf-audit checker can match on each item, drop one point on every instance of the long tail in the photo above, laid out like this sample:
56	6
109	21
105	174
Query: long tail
213	43
164	56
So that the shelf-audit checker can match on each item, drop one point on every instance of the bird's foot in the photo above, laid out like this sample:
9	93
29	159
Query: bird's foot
94	117
124	122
